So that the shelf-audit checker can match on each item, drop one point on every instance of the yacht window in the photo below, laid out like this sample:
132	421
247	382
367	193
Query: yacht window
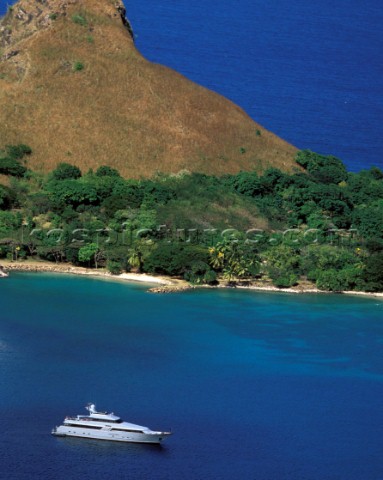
104	420
84	426
126	430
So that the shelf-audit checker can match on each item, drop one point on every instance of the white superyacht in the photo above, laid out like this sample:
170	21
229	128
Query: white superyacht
106	426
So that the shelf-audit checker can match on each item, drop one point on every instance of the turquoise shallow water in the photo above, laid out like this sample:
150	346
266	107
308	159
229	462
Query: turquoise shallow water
254	385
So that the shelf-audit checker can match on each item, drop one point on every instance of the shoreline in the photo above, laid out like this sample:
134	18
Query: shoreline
67	268
163	283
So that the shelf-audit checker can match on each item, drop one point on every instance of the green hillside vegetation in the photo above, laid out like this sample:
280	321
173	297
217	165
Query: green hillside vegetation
323	225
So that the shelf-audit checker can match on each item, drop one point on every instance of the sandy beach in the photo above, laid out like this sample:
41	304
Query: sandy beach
161	284
48	267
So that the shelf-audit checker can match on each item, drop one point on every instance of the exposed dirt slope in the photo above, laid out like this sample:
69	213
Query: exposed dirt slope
74	87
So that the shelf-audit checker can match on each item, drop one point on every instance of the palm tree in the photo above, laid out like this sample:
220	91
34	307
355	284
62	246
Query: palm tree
217	257
135	259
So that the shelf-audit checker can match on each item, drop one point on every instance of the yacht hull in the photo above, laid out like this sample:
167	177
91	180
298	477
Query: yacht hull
128	437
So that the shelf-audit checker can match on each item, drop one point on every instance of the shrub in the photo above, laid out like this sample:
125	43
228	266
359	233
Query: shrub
10	221
7	197
105	171
247	183
10	166
330	280
17	152
282	278
9	161
376	173
79	19
200	272
156	192
65	171
113	267
78	66
323	168
39	203
71	255
373	272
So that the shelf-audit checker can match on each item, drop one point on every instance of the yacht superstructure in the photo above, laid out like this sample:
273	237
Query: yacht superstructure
106	426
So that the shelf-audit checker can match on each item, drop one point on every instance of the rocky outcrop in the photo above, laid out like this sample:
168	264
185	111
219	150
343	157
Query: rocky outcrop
170	289
3	273
122	11
27	17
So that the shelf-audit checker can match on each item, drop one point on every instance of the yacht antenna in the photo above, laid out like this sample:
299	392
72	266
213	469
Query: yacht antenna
91	407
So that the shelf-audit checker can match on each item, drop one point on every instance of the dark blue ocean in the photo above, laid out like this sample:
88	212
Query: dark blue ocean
254	386
312	72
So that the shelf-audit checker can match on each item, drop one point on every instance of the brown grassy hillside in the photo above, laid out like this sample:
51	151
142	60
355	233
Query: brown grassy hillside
74	87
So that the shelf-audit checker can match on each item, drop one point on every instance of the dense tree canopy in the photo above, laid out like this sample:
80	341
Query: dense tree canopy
324	225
